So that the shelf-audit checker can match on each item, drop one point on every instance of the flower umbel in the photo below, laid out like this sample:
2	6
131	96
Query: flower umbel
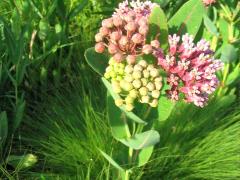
190	69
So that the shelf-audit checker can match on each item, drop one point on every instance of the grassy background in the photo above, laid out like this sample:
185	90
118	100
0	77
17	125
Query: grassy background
55	104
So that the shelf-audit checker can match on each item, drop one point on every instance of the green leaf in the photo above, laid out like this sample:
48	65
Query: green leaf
229	53
223	28
158	26
111	161
115	118
22	162
3	128
131	115
210	26
142	140
97	61
19	112
188	18
78	8
165	107
144	156
233	76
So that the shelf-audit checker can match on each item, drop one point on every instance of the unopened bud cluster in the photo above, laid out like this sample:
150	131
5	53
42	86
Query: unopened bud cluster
141	82
124	34
115	71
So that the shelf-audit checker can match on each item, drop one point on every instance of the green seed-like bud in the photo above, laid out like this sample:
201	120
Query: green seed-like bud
113	74
129	69
128	78
154	103
144	81
119	78
129	100
136	83
150	67
120	71
138	67
143	63
155	94
143	91
158	79
122	84
129	107
154	72
116	89
121	65
128	86
137	74
150	86
133	93
158	85
146	73
112	61
119	102
109	69
145	99
107	75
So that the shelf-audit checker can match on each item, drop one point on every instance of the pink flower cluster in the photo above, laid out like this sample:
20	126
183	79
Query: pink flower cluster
124	34
208	2
190	69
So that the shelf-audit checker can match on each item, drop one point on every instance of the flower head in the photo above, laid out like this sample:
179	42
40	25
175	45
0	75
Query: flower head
208	2
190	68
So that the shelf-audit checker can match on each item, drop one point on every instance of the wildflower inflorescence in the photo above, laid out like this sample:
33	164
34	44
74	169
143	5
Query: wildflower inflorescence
124	34
141	82
190	68
208	2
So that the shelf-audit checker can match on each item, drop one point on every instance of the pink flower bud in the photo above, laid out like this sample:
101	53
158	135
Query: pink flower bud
112	48
131	26
99	47
143	30
115	36
137	38
104	31
98	37
117	21
155	43
147	49
118	57
123	41
108	23
131	59
129	17
142	21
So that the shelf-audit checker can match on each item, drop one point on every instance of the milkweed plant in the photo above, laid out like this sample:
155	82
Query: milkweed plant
147	64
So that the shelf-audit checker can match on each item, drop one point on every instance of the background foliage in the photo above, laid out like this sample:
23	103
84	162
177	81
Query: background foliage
52	103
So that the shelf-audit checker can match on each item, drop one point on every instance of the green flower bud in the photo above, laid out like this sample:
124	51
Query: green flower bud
128	78
138	67
107	75
150	86
146	73
133	93
113	74
154	72
119	78
143	91
158	85
158	79
109	69
128	69
116	88
143	63
137	74
129	107
127	86
145	99
136	83
155	94
119	102
154	103
112	61
150	67
129	100
144	81
122	84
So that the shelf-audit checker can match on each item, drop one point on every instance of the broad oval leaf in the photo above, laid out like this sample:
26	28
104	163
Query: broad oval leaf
115	116
188	18
131	115
97	61
111	161
210	26
3	128
142	140
165	107
144	156
158	26
229	53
